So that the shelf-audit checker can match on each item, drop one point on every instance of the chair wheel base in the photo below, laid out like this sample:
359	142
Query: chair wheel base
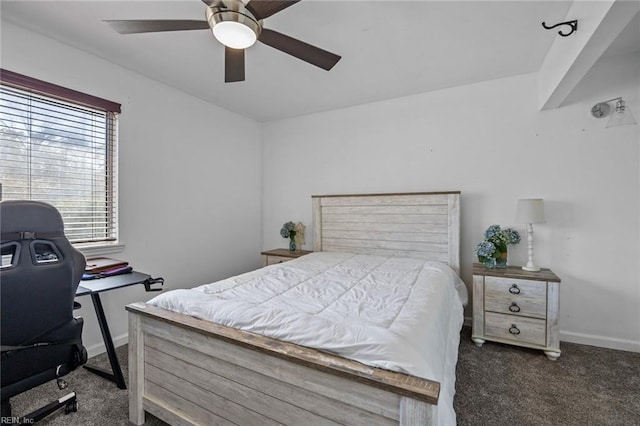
71	407
68	402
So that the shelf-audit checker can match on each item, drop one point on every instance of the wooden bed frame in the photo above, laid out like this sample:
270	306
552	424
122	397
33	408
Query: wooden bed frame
187	371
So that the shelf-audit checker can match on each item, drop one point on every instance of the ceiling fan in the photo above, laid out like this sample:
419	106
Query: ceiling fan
237	26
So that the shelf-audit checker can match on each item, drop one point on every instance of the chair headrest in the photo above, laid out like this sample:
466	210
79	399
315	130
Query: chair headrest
35	217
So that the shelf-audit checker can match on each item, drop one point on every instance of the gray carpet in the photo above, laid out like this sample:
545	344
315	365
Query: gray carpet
503	385
496	385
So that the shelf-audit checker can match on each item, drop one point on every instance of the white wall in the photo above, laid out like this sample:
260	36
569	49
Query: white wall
490	141
190	172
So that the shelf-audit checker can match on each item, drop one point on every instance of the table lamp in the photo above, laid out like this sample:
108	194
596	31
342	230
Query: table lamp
530	211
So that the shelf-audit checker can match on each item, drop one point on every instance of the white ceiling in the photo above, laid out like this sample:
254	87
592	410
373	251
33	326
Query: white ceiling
388	48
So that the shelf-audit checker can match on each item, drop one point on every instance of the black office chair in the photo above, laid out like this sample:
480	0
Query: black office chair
41	339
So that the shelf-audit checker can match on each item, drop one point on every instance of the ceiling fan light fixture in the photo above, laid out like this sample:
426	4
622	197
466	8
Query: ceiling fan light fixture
237	24
234	34
234	29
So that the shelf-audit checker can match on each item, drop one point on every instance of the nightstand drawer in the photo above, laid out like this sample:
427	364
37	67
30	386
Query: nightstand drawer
272	260
520	329
516	297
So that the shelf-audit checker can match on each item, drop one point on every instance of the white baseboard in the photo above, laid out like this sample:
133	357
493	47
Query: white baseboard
600	341
468	321
100	348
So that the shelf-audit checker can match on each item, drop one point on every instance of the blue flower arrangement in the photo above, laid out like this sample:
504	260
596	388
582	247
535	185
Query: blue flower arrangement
492	252
288	231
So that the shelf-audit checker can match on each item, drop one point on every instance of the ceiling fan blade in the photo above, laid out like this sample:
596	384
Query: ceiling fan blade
233	65
262	9
156	25
301	50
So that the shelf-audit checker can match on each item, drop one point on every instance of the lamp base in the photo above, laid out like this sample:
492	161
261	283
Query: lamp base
532	268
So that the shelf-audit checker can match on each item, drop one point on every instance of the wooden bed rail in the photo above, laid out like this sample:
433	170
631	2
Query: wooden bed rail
398	383
156	333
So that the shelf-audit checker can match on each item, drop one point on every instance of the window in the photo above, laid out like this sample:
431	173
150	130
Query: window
59	146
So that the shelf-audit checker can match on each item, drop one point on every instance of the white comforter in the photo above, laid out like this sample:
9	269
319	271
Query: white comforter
396	313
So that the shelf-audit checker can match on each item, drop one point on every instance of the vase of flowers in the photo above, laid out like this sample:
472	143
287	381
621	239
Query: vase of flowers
492	252
288	231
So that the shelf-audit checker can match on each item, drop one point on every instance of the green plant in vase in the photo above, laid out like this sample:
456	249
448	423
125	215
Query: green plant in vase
288	231
492	252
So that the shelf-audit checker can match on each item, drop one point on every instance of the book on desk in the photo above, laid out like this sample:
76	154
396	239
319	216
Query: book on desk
102	267
123	275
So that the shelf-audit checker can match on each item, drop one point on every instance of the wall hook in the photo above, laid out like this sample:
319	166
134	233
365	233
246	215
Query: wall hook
573	24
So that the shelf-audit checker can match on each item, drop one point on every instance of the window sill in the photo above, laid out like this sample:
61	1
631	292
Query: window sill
95	250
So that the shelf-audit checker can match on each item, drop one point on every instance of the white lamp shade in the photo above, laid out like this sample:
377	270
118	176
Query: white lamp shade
530	210
621	116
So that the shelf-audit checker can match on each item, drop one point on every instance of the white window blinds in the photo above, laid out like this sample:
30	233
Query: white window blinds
63	152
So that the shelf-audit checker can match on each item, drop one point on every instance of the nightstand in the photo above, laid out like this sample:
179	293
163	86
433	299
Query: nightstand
516	307
270	257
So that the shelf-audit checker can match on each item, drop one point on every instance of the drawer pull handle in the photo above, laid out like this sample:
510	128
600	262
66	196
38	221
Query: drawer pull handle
514	330
514	289
514	307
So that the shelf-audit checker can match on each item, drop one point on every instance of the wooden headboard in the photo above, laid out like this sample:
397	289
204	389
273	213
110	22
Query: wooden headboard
420	224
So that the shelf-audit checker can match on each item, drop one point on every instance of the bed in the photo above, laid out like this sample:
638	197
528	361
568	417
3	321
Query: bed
187	370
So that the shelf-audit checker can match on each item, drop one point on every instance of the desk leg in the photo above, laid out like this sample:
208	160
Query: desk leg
116	376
